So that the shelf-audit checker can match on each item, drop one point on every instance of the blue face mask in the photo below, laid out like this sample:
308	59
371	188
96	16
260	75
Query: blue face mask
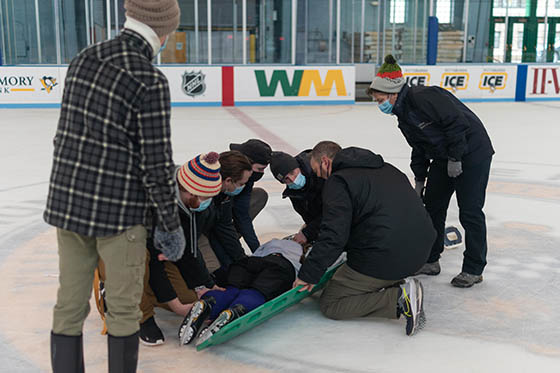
203	205
236	191
163	46
386	107
298	183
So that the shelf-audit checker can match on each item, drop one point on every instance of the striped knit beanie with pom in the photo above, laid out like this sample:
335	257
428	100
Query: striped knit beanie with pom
389	78
201	176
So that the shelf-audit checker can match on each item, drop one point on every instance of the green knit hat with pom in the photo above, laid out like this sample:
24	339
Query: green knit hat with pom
389	78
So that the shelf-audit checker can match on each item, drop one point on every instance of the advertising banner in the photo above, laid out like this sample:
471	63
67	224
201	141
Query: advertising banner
262	85
543	82
31	85
469	82
194	85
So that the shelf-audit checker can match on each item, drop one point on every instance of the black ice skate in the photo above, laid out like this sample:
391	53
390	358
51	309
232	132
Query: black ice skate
224	318
411	305
192	323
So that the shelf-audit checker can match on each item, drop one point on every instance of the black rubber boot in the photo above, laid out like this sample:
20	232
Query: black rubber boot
67	353
123	353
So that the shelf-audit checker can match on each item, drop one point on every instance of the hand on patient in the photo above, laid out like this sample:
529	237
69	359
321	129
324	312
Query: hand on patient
203	290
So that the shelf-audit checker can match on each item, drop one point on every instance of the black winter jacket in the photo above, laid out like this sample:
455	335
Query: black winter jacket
221	232
370	211
215	222
307	201
192	268
242	219
438	126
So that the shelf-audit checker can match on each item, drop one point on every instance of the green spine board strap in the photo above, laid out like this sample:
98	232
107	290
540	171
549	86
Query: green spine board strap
264	312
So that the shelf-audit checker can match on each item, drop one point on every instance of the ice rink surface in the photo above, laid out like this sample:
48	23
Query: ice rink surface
509	323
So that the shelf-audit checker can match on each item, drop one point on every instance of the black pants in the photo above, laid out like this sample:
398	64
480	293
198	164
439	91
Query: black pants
470	188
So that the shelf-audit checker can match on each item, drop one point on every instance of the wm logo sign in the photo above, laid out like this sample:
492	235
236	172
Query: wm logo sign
301	83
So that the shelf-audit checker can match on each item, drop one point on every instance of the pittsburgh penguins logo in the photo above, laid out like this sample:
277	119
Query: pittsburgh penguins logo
48	83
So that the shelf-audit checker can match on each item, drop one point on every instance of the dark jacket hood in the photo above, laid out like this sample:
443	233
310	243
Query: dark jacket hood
356	158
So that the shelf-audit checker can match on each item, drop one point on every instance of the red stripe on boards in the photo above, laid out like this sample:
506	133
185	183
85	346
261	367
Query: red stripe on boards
227	86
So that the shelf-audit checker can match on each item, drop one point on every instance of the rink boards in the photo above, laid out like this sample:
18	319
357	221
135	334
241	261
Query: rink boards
42	86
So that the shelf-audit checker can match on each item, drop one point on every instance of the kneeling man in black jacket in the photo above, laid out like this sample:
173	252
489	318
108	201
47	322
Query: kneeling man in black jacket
371	211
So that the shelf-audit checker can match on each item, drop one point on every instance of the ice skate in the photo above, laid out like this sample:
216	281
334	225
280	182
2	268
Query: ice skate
192	323
224	318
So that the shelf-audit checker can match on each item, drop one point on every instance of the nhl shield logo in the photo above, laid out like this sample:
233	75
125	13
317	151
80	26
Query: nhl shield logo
193	83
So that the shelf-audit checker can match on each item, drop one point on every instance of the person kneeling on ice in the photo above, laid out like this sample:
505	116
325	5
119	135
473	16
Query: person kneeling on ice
252	281
371	211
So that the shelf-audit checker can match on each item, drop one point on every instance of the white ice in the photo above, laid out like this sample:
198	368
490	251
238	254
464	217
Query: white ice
506	324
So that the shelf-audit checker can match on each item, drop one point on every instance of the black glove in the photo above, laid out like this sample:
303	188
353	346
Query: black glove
171	244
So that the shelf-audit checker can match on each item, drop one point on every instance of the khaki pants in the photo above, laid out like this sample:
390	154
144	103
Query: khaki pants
124	255
149	300
350	294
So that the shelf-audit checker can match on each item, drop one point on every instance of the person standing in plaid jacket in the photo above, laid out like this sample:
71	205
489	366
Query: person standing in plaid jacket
113	170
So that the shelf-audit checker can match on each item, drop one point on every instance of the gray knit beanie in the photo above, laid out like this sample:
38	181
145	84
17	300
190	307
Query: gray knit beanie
389	78
161	15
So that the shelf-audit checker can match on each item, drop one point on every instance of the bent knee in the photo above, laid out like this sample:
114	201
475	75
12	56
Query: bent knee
330	311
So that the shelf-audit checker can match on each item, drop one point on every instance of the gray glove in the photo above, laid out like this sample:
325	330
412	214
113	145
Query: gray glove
419	187
454	168
171	244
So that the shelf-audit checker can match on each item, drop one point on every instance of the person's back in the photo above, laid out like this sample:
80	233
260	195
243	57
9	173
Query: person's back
391	232
112	170
109	86
444	119
371	212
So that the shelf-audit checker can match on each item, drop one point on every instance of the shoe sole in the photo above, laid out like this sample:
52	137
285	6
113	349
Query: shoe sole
223	319
186	333
418	316
152	344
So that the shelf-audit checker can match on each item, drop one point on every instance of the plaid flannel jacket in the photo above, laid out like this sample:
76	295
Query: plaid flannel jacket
112	165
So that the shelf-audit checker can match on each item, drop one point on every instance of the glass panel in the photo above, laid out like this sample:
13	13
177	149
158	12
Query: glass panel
372	34
320	30
181	45
551	10
541	43
499	40
444	10
189	44
350	26
226	35
557	45
517	42
269	31
72	28
409	42
517	8
451	34
98	20
19	32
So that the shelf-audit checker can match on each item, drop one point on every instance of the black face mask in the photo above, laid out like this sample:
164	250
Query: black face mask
256	176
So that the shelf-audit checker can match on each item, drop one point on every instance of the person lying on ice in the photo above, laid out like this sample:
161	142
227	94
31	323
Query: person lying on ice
371	211
252	281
